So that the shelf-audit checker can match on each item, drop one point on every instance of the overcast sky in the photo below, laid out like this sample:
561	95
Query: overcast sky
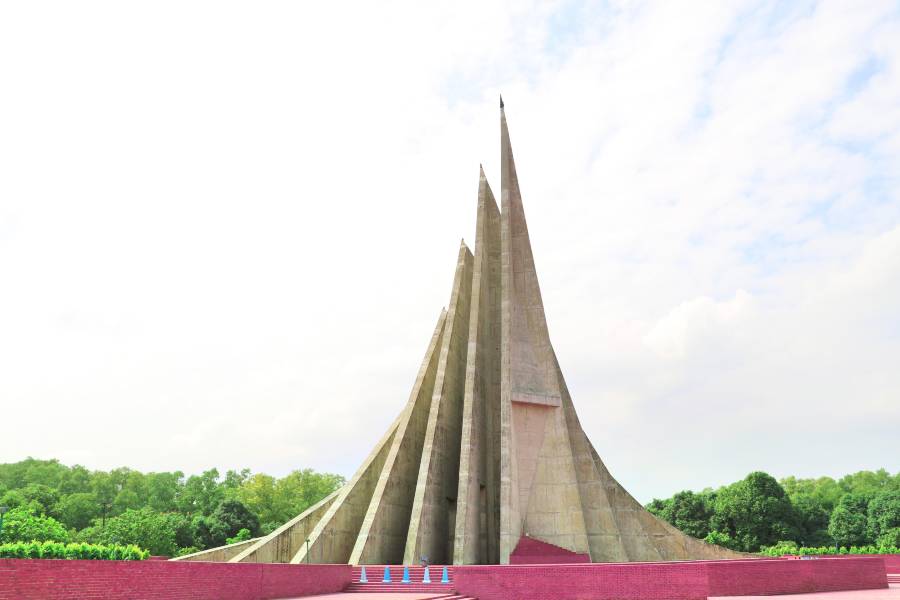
227	229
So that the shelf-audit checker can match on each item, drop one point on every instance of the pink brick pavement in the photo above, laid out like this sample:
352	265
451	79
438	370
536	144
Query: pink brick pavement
375	596
892	593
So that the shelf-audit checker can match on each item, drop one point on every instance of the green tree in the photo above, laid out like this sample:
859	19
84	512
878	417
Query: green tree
77	480
812	518
868	483
721	539
126	500
261	496
754	512
207	532
136	484
242	536
41	495
78	510
146	528
163	490
659	507
306	487
883	513
233	481
691	513
889	538
277	500
234	515
25	524
825	491
201	494
31	470
105	491
184	533
688	511
14	499
849	520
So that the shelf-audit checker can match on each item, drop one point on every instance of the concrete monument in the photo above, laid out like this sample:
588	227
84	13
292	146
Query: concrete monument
488	450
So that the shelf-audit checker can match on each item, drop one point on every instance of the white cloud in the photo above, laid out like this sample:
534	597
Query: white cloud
698	323
226	232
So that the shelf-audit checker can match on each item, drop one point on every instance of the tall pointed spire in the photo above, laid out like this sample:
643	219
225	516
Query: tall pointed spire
489	449
535	467
478	501
531	377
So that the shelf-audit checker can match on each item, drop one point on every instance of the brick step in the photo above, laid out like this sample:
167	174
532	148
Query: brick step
406	586
439	587
436	596
375	574
403	587
434	585
399	569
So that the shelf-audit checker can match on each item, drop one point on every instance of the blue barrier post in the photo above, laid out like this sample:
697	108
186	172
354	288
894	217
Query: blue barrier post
427	577
387	575
405	574
444	576
362	576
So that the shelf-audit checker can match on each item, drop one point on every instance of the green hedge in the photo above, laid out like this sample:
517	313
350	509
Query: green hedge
783	549
74	551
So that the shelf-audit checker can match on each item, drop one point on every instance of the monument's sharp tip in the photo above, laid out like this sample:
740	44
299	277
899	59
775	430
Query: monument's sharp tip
501	101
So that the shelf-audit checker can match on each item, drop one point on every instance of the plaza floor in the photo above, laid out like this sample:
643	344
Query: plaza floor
892	593
374	596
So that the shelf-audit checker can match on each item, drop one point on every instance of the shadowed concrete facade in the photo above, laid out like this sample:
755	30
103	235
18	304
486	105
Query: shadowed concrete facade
488	448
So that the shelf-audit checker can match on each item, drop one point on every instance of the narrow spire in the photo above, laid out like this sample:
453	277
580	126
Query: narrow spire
501	101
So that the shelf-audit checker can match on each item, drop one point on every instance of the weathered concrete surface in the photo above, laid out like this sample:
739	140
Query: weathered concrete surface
554	487
220	554
431	524
478	499
488	447
382	537
334	535
283	543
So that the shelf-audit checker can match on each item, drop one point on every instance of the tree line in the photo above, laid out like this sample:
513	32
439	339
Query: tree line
860	509
170	514
165	513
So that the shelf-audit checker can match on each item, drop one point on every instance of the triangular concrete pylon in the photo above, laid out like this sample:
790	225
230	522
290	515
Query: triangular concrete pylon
488	448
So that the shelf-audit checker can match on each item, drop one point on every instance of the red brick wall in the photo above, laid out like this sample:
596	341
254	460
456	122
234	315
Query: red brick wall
891	562
530	551
673	580
772	577
161	580
595	581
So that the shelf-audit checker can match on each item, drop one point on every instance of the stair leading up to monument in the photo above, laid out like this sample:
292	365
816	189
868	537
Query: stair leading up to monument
416	575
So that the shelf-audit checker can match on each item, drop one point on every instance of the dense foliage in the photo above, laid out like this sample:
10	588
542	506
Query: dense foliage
24	523
163	513
73	551
792	549
858	510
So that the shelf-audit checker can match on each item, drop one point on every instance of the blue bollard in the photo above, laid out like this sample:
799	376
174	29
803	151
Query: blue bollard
387	575
445	576
405	574
362	576
426	578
